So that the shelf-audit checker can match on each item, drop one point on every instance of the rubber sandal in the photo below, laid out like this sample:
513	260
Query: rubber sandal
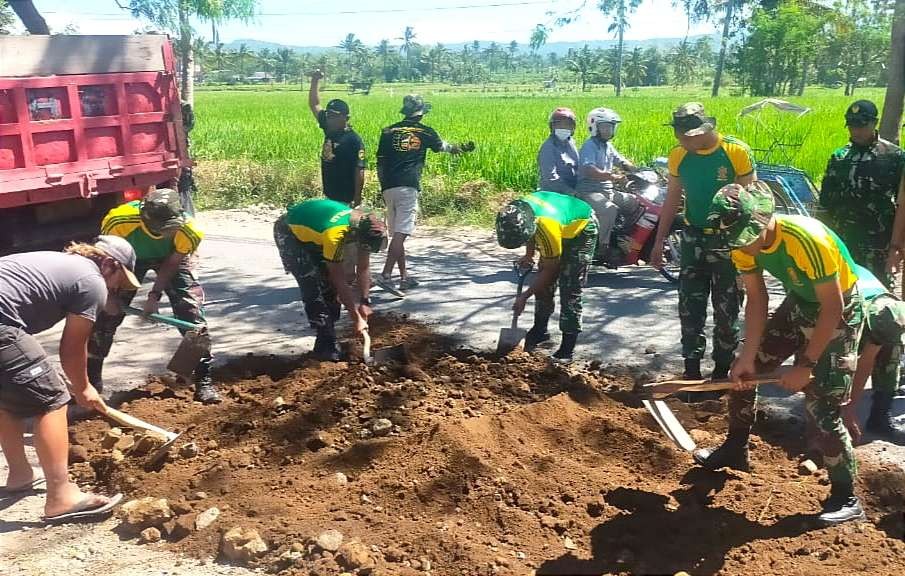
33	486
82	511
387	284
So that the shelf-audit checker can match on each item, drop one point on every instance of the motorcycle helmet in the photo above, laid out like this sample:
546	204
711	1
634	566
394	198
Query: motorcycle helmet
599	116
562	114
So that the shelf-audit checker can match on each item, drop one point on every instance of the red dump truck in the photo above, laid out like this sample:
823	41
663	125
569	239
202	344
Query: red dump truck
86	122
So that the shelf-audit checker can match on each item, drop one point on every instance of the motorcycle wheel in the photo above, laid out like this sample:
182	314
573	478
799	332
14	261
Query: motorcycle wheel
670	269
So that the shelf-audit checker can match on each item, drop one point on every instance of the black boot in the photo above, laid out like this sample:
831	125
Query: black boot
720	371
880	421
325	346
692	369
95	373
205	391
566	349
841	506
733	453
538	334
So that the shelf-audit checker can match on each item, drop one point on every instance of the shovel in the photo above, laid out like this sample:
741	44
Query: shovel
129	421
395	353
195	345
658	390
511	337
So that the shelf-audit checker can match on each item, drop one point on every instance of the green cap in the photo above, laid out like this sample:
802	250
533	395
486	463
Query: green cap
861	113
515	224
414	105
161	211
885	320
691	119
372	232
741	213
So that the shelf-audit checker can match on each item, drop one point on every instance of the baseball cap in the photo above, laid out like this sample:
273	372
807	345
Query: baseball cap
741	213
691	119
161	211
515	224
372	232
120	250
885	320
414	105
861	113
337	106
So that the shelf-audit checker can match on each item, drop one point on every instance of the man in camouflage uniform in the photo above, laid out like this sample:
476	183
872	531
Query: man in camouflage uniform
564	231
819	322
859	193
164	239
883	329
701	164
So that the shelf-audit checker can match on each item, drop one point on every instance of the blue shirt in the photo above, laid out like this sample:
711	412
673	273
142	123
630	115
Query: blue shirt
557	164
602	155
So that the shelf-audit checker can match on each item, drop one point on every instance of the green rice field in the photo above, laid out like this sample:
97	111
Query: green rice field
263	146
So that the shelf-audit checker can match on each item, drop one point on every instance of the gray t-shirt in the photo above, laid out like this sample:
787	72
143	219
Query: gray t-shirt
603	155
38	289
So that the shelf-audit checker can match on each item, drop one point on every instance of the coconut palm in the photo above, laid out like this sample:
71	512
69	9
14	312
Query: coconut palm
620	11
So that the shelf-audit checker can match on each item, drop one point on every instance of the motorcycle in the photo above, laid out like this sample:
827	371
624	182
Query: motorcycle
634	234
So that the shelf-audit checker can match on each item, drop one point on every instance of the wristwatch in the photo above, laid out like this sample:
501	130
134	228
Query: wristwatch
803	361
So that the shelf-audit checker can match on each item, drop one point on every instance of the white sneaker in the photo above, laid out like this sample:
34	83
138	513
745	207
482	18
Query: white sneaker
386	283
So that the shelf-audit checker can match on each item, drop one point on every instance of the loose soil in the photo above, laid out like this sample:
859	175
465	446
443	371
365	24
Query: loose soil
492	466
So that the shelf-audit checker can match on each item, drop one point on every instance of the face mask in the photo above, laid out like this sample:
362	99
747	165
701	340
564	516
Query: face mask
562	133
606	131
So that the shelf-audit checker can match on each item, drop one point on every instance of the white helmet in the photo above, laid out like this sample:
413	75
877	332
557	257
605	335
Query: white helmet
602	116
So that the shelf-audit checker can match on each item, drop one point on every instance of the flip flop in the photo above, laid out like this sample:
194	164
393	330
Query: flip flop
33	486
82	510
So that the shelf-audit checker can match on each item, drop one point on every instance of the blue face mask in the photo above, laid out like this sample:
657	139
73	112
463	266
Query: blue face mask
562	133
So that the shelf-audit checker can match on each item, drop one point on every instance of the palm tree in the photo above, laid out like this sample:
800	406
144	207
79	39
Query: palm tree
539	37
285	58
241	57
408	44
619	10
513	52
683	63
350	45
384	50
436	56
582	63
636	69
219	55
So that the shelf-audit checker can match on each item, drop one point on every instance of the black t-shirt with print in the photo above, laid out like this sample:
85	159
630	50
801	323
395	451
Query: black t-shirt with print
342	156
402	151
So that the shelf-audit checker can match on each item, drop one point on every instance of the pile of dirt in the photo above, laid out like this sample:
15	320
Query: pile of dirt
461	463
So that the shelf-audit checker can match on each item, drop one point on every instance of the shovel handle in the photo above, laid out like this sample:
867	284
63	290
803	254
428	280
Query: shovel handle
132	422
521	274
133	311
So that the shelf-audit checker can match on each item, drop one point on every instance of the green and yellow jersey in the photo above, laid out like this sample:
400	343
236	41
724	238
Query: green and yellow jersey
704	172
124	221
559	217
322	224
805	253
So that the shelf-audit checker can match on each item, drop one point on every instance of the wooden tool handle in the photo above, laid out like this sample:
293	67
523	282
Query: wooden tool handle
521	273
367	344
132	422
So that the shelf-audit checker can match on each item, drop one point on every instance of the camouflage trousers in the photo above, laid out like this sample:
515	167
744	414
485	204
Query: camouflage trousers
184	292
577	254
310	272
706	271
887	368
787	333
885	376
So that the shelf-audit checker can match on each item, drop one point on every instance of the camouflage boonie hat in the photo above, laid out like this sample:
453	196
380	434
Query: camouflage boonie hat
372	232
515	224
741	214
861	113
885	320
414	105
691	120
161	211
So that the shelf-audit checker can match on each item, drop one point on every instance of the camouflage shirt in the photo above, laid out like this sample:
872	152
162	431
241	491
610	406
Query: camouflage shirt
859	192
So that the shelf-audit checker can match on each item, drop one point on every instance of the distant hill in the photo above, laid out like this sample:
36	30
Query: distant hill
560	48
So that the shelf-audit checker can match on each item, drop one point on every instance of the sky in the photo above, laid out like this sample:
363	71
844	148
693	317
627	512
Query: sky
319	23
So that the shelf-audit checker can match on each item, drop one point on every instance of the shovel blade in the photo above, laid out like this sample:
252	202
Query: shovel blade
389	354
510	339
195	345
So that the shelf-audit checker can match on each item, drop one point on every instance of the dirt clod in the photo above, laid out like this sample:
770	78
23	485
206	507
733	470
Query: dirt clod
329	540
148	512
207	518
242	545
149	536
